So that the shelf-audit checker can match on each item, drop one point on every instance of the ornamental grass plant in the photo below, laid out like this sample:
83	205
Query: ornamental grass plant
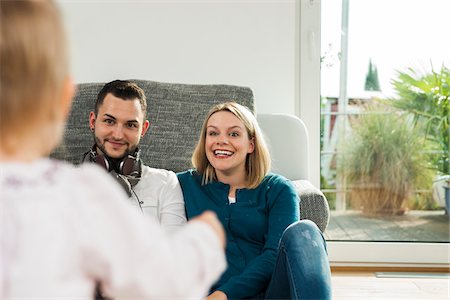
384	162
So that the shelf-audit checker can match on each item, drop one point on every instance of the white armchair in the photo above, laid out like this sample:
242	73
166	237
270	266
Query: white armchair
287	137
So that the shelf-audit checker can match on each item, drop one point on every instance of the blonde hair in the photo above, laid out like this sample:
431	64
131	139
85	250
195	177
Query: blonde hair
34	65
257	164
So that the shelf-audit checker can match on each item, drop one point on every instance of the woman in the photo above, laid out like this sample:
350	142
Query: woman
231	177
64	230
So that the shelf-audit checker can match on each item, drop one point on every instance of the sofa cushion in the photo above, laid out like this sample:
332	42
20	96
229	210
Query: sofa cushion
175	111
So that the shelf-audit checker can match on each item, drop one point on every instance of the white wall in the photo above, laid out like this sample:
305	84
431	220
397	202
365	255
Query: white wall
248	43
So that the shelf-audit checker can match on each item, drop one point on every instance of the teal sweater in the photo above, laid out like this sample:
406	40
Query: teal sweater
253	225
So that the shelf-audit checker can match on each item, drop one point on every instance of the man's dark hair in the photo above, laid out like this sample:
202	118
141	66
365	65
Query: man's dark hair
125	90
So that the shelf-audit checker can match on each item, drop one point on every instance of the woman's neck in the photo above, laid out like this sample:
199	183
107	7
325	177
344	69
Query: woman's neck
235	181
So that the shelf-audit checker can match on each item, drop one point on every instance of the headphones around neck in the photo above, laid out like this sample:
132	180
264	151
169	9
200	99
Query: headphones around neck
129	165
127	171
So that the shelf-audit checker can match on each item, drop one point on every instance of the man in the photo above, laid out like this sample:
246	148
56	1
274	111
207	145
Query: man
118	122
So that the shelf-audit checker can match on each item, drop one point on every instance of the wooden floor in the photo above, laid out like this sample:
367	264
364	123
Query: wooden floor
430	226
365	285
425	226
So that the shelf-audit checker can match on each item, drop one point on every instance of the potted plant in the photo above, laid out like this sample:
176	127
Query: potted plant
384	163
441	192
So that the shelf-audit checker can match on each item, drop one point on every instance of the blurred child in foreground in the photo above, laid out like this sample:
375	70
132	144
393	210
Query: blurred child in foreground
63	230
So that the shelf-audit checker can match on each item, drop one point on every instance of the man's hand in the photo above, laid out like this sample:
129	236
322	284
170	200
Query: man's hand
217	295
210	218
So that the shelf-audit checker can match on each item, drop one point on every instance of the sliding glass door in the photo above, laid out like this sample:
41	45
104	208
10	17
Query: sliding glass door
384	129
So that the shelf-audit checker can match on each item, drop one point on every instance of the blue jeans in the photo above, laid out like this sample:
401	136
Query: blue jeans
302	270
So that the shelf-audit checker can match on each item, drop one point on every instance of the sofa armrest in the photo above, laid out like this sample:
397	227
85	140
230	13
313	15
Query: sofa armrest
313	204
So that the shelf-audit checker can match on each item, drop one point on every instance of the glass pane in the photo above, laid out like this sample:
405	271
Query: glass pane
385	86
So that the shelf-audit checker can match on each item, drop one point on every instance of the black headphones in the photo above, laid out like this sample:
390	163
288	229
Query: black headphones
127	170
129	165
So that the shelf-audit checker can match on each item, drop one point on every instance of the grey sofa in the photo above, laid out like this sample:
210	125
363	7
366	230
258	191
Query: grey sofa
176	112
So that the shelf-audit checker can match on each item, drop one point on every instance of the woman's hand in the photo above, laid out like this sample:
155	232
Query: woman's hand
217	295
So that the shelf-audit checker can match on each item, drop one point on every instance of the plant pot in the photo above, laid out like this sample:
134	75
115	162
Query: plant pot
375	200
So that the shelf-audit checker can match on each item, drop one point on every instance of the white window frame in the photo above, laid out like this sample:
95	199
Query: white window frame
307	107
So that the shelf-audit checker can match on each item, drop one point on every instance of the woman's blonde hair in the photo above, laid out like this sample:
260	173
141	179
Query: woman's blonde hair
34	65
257	164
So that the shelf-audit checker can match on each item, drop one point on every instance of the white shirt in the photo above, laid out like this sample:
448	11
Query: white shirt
162	198
64	228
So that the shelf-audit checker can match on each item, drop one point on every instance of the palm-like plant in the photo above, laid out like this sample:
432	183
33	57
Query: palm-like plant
426	98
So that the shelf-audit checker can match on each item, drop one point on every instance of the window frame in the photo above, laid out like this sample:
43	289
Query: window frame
307	87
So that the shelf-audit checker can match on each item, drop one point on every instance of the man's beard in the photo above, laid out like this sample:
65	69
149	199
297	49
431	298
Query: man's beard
101	146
